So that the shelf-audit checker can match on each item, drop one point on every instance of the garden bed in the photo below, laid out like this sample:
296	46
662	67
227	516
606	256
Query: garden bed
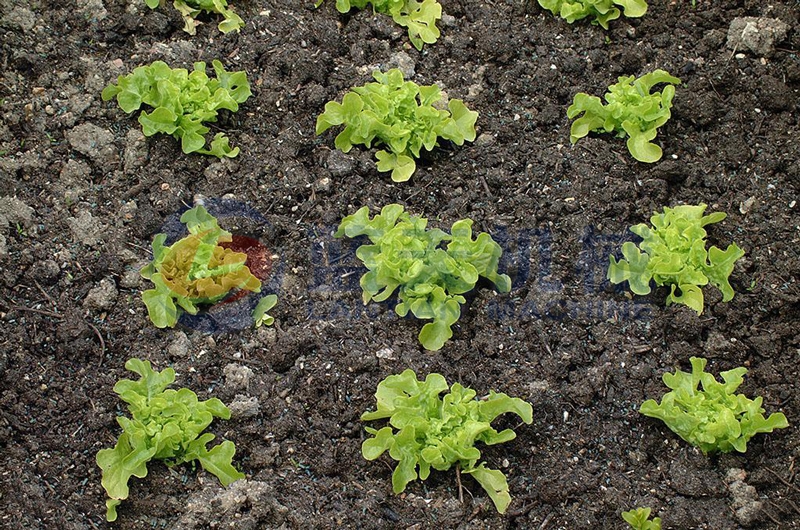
91	192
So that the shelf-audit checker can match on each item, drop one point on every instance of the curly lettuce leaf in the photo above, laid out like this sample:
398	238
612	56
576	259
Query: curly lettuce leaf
631	110
601	11
428	431
165	424
639	519
407	257
399	115
673	252
182	102
707	413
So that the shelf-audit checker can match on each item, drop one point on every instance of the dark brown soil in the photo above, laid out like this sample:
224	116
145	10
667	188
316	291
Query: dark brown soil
584	353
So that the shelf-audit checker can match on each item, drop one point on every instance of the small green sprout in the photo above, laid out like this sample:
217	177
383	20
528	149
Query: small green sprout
603	11
260	315
639	519
675	254
631	110
428	431
402	116
714	418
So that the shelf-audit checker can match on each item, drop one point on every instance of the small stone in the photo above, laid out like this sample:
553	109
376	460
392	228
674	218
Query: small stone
244	407
339	164
237	376
385	353
180	345
403	62
103	296
746	205
45	271
757	34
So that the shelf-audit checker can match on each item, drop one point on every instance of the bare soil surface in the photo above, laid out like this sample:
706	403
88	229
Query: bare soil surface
82	193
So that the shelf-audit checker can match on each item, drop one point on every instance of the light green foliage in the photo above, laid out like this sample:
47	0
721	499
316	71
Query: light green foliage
632	110
260	315
603	11
639	519
189	9
675	255
404	255
182	102
194	270
419	17
401	116
428	431
164	425
714	418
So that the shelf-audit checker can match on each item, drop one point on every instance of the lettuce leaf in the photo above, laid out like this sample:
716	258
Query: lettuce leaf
427	431
602	11
399	115
407	257
712	417
673	253
164	425
631	110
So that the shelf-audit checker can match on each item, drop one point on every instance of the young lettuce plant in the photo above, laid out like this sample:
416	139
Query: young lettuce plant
182	102
418	16
429	431
639	519
164	425
675	255
194	270
714	418
430	280
400	115
603	11
631	110
189	9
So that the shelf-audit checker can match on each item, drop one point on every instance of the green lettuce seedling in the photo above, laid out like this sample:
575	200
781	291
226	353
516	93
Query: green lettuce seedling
428	431
639	519
194	270
260	315
164	425
189	9
430	280
675	255
631	110
714	418
603	11
400	115
418	16
182	102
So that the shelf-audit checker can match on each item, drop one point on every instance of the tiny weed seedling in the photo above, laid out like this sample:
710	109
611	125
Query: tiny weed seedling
196	270
418	16
164	425
601	11
399	115
189	9
639	519
430	280
429	431
631	110
712	418
675	254
182	102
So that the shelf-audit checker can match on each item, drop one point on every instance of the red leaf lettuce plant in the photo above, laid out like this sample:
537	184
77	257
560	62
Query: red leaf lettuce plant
418	16
430	280
631	110
714	418
428	431
196	270
182	102
402	116
675	255
603	11
164	425
189	9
